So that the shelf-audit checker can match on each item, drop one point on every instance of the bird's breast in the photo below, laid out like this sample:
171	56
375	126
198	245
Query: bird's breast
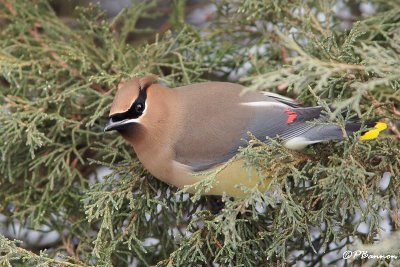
230	179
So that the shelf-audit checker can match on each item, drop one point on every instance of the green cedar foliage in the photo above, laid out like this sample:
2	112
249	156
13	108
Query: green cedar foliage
57	83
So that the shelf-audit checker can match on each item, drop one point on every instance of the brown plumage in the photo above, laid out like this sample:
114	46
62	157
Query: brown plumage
178	132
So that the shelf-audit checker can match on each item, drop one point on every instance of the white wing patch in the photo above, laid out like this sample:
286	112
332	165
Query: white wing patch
281	98
299	143
264	104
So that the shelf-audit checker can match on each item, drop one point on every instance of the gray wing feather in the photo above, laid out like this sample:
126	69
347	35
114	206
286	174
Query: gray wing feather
204	145
268	122
273	122
282	99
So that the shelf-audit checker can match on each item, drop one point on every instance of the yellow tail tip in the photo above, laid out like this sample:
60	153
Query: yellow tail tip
374	133
381	126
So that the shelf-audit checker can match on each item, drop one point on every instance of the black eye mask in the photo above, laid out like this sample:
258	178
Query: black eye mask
135	111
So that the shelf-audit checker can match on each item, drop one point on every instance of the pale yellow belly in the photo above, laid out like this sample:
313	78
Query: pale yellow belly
229	179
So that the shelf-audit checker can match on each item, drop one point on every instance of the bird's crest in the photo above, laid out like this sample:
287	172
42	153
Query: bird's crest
128	91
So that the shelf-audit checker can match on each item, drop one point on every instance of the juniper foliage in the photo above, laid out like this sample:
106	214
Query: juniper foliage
57	83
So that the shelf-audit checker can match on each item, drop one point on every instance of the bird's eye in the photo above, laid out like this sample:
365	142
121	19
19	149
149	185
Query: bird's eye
139	107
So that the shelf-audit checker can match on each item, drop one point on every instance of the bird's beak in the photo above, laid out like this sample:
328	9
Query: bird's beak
118	125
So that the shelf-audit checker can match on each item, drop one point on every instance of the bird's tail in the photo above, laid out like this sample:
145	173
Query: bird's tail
326	132
321	130
373	127
334	132
373	133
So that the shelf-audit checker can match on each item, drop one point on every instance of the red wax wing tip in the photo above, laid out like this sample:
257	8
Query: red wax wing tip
291	116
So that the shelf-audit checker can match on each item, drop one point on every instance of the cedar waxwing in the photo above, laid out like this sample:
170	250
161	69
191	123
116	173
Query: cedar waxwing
179	132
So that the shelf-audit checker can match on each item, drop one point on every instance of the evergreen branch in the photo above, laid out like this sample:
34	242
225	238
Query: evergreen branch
12	253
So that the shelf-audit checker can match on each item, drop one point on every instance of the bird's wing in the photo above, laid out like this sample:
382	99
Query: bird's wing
283	99
218	122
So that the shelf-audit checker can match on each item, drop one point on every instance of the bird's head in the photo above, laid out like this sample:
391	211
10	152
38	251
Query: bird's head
130	104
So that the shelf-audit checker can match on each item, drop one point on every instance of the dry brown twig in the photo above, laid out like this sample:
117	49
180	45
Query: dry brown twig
379	109
37	36
10	7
